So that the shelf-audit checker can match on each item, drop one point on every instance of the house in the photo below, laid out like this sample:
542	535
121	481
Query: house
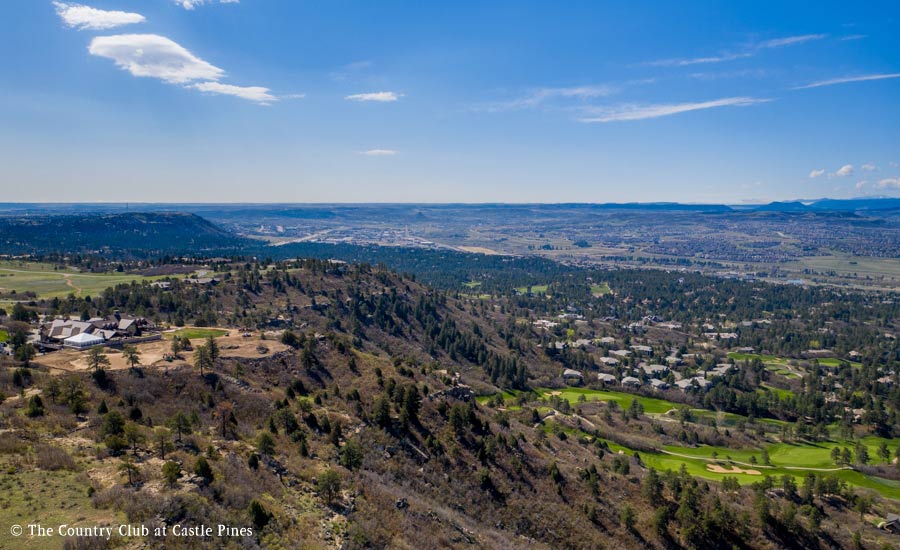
646	350
572	376
609	361
620	352
60	329
581	343
606	378
607	340
164	285
720	370
659	384
672	360
688	383
203	281
544	324
654	370
631	381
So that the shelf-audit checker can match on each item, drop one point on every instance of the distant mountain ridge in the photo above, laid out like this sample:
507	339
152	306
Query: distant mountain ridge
330	210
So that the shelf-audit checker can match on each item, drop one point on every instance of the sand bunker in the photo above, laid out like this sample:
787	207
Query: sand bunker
734	470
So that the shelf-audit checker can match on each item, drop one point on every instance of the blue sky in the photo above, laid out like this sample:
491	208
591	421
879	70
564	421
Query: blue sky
339	101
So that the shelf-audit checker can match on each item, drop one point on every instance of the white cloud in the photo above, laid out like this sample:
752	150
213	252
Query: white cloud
746	52
854	37
843	171
191	4
889	182
869	167
252	93
383	97
682	62
641	112
155	56
541	95
816	173
848	79
85	17
791	40
860	184
379	152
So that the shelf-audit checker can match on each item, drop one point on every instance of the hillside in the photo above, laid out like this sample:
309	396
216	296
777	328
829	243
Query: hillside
128	234
366	432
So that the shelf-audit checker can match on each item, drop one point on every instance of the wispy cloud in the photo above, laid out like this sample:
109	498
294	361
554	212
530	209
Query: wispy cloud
641	112
542	95
383	97
191	4
790	40
685	62
379	153
85	17
854	37
258	94
848	79
869	167
860	184
817	173
747	51
889	182
350	69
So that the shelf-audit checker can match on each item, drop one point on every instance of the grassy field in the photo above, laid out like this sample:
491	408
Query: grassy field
651	405
4	336
48	282
781	393
195	333
48	498
472	284
785	458
782	363
600	290
535	289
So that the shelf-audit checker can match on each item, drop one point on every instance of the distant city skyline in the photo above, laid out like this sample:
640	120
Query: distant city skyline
278	101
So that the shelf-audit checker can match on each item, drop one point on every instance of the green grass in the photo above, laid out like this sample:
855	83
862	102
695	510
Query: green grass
195	333
781	362
835	362
48	498
600	290
45	281
651	405
782	457
4	336
781	393
778	365
472	284
535	289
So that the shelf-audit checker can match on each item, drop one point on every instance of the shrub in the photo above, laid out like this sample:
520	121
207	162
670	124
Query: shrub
48	457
